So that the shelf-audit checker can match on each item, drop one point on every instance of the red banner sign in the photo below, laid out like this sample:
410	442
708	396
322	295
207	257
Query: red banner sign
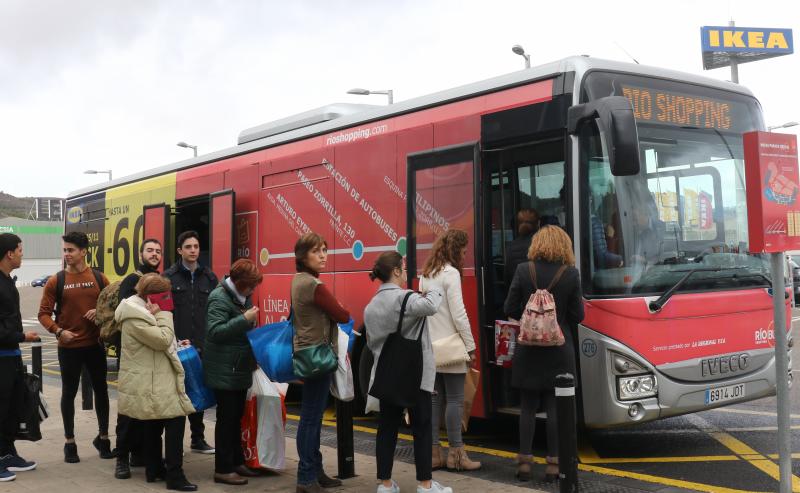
773	186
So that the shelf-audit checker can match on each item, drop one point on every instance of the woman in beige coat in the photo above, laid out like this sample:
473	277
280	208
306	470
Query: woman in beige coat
151	385
450	334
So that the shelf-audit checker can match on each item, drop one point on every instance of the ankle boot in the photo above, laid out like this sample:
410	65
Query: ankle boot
551	469
439	459
524	467
326	481
123	468
458	460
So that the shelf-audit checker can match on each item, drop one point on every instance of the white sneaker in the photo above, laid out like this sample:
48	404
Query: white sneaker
393	489
435	488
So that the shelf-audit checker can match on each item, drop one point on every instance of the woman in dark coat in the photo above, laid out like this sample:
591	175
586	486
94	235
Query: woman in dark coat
534	368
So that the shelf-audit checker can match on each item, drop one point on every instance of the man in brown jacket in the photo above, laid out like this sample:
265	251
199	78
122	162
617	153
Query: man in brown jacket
71	295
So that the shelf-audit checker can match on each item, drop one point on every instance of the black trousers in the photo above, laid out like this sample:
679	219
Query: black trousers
11	380
129	435
388	425
173	430
72	361
228	433
197	427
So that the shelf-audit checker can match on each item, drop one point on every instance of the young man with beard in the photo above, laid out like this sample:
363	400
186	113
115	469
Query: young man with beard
11	369
129	430
191	285
78	339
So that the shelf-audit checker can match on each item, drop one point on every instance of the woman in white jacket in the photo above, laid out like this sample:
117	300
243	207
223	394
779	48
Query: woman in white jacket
453	346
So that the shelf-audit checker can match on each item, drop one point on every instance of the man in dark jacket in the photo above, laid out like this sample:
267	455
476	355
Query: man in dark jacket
11	369
129	430
517	249
191	285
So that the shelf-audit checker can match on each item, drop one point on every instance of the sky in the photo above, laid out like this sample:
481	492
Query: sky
115	84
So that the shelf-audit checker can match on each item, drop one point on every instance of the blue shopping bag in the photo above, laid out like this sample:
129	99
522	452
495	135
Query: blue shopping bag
272	347
347	328
201	396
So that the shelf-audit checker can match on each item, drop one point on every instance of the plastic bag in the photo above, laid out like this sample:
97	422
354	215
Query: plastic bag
272	347
201	396
263	424
351	335
342	387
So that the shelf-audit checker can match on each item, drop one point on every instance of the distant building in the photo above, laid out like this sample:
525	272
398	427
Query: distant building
41	246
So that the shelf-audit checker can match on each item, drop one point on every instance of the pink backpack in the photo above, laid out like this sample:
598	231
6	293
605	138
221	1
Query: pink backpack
539	325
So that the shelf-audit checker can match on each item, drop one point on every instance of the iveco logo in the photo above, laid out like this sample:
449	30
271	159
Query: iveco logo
724	364
74	214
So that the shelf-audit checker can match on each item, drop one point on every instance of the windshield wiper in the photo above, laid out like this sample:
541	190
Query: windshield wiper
657	305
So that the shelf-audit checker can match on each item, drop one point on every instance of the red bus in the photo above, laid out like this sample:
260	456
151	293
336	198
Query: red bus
643	167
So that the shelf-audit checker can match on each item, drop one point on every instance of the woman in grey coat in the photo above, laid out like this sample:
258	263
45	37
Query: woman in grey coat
381	317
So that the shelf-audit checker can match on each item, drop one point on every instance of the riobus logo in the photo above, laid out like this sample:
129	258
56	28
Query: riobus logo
74	214
764	336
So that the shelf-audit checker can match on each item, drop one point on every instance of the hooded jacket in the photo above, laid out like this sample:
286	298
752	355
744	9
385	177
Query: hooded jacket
150	375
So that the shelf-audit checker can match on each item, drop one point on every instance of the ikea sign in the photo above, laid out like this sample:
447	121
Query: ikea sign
747	39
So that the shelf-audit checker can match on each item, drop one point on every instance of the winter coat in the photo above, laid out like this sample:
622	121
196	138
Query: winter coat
150	374
228	360
190	295
533	367
451	317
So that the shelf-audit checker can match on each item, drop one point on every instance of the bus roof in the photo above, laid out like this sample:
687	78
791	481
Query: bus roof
342	115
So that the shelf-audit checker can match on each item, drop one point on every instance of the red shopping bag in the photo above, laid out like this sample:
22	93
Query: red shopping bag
263	424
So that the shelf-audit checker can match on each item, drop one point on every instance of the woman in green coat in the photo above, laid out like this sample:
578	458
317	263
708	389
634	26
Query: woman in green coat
228	363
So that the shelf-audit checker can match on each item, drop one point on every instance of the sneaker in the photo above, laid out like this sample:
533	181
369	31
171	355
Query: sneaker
435	488
103	445
6	475
71	453
201	447
15	463
392	489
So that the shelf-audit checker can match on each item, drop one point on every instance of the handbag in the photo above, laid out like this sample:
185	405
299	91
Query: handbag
398	373
314	361
449	350
29	407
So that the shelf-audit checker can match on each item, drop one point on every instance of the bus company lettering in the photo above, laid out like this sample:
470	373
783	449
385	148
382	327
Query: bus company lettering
289	214
430	216
344	230
678	109
275	309
394	187
356	134
764	336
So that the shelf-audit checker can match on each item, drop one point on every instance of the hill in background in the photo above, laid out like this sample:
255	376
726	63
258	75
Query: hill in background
11	206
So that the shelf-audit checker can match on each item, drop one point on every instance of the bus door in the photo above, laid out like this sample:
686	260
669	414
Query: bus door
156	226
442	195
221	244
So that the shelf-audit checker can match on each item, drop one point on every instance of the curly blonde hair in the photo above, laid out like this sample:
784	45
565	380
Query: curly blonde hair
551	244
446	250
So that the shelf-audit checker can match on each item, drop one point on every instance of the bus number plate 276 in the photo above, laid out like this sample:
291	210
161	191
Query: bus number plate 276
727	393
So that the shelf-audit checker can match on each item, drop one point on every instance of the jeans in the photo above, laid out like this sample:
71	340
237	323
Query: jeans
71	361
527	420
228	433
315	400
11	381
173	429
386	441
449	389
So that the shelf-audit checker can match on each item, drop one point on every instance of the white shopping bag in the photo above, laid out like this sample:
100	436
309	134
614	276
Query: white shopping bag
263	423
342	386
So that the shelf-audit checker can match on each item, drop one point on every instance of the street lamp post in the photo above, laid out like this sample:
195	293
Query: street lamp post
98	172
184	144
519	50
366	92
783	125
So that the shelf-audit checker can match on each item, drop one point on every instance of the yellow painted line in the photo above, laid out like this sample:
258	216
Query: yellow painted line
679	483
740	448
750	411
775	456
663	460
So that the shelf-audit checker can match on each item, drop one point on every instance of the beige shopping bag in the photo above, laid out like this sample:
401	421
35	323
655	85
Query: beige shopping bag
471	382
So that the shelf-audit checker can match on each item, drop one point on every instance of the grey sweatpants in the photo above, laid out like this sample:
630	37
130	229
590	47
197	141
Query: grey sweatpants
448	392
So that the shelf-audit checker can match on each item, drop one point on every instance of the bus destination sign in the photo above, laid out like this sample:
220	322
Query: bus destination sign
657	106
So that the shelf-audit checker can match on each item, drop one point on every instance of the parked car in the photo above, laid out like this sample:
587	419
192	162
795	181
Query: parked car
40	281
793	263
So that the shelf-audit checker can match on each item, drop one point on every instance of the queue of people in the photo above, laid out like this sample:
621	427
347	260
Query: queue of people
187	305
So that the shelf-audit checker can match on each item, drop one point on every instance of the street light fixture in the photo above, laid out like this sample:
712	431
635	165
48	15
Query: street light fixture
98	172
366	92
519	50
785	125
184	144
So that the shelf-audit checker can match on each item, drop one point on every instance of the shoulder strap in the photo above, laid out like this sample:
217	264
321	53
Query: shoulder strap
532	269
60	280
403	311
98	277
557	277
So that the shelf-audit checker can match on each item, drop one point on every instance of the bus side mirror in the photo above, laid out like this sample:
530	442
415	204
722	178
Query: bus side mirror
614	115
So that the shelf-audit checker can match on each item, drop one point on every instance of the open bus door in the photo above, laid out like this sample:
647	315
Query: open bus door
222	210
156	226
443	187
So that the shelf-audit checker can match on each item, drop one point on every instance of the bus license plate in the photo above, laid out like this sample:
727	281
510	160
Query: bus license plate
727	393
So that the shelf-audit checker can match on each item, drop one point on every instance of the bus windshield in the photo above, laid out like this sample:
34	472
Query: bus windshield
685	209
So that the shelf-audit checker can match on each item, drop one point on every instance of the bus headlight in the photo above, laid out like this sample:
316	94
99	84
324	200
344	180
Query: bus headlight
636	387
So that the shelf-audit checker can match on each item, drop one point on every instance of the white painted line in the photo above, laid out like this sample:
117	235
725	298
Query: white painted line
750	411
